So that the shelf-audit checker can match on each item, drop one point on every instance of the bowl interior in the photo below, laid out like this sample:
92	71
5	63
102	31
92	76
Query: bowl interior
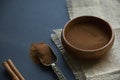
87	33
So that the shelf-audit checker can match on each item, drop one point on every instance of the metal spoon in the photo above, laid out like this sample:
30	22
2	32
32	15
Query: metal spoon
52	62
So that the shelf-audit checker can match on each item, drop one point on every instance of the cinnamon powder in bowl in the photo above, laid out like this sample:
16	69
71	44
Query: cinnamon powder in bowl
87	37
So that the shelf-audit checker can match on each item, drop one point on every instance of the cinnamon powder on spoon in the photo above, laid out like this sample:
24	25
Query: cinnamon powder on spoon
41	52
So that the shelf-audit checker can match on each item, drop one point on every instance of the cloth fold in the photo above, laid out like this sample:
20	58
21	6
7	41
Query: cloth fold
107	68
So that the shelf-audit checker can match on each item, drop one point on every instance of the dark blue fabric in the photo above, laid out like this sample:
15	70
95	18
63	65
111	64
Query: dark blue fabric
23	22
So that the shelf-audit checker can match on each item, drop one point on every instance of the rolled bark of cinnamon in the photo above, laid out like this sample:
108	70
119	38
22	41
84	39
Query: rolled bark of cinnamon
12	70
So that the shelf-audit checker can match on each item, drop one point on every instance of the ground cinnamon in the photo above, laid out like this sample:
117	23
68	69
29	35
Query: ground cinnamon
41	51
87	36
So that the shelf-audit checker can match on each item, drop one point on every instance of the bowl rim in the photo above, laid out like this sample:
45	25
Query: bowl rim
87	50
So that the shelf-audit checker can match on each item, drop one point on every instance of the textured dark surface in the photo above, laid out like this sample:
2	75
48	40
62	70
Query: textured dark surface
23	22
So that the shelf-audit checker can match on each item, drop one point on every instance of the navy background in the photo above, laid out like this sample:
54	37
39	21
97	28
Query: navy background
23	22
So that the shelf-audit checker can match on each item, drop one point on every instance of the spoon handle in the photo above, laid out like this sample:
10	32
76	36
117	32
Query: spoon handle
58	72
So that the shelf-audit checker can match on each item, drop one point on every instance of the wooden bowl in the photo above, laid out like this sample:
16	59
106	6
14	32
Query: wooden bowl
87	37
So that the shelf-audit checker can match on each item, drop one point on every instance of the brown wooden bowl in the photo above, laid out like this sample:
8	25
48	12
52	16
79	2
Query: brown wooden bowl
87	37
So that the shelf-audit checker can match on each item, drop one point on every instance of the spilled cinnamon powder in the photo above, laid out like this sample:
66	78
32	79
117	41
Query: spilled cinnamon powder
41	52
87	36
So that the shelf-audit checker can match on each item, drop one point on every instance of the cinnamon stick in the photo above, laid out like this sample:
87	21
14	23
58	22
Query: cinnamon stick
10	71
13	71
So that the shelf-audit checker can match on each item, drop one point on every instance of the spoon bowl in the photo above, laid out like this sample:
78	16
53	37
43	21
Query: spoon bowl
47	57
